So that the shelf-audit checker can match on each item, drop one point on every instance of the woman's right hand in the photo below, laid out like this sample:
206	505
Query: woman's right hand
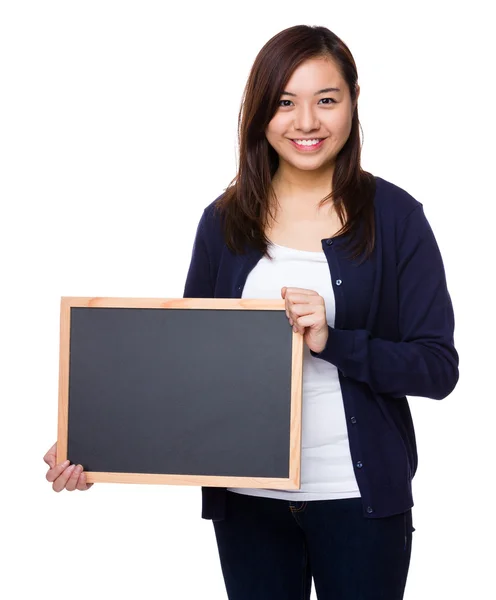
64	475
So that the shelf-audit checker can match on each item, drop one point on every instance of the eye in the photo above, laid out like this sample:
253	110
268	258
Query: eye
331	101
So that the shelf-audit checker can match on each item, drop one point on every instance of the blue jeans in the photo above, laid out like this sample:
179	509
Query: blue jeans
270	549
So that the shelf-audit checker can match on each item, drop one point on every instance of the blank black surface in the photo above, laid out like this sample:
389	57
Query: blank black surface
180	391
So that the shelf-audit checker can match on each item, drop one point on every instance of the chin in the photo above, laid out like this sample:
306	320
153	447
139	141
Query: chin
307	165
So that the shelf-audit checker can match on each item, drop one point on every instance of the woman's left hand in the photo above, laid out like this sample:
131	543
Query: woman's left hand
306	312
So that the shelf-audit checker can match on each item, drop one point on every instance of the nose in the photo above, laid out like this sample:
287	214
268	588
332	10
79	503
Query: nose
306	119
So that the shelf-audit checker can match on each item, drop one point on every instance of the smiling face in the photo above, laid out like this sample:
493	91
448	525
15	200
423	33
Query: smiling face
315	106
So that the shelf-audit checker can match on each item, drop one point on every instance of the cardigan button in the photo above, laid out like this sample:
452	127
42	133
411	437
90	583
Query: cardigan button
338	282
353	420
370	509
329	242
359	464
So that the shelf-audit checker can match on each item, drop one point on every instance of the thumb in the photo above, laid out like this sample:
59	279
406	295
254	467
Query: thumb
283	292
50	456
50	460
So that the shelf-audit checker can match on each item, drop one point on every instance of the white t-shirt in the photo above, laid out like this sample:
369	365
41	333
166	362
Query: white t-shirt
326	465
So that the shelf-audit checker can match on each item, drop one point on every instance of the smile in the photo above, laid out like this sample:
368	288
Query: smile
308	145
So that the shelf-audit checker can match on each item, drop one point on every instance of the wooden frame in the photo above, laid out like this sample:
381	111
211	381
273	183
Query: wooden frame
292	482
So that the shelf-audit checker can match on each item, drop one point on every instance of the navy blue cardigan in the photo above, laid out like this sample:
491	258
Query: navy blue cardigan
393	337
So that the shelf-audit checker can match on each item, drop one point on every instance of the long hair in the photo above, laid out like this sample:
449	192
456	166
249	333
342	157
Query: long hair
245	203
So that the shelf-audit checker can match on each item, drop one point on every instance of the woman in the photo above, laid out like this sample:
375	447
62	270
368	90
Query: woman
357	264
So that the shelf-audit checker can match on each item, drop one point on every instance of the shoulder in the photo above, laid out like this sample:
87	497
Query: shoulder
212	216
210	227
392	201
401	218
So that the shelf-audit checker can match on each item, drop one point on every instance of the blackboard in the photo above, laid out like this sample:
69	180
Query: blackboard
182	391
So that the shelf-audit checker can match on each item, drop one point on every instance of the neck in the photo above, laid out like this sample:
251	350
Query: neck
304	186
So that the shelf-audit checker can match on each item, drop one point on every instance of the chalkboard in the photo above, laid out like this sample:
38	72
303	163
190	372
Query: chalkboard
180	391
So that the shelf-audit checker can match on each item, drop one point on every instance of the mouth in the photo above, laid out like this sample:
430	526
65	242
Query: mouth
307	145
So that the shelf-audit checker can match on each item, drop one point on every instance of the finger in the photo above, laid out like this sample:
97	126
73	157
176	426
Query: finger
294	324
298	310
82	484
304	299
315	302
297	328
51	456
315	311
59	484
52	474
72	482
297	290
309	321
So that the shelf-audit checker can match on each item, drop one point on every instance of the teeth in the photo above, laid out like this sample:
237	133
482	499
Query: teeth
307	142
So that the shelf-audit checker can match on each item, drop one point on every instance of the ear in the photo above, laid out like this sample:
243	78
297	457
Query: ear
357	91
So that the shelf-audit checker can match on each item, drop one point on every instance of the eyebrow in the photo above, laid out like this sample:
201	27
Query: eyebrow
324	91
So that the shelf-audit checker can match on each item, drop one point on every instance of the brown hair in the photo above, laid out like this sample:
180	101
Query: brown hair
245	202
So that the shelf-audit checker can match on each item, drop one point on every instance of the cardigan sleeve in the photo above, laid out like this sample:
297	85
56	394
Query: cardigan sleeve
424	362
199	280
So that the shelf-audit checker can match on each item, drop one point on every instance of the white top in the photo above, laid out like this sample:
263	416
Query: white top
326	466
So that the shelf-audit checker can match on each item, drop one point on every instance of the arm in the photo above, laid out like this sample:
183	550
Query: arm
424	362
198	280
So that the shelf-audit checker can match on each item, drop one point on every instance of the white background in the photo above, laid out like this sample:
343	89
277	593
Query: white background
118	126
